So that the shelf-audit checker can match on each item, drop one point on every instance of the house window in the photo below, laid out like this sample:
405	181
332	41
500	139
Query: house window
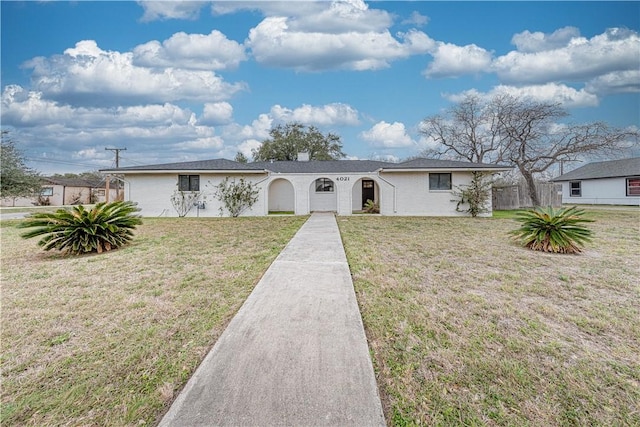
189	182
324	185
633	186
575	188
46	191
439	181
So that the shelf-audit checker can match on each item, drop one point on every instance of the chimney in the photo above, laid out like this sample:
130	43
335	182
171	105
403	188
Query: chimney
303	156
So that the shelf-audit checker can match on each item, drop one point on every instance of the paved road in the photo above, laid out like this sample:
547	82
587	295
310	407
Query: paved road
296	353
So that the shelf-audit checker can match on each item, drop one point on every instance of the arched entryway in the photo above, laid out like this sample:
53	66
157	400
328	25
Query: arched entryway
364	189
323	195
282	196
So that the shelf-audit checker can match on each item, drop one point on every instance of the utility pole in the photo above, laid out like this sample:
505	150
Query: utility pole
117	151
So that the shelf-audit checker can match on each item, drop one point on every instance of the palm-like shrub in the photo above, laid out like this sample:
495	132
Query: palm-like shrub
77	231
549	230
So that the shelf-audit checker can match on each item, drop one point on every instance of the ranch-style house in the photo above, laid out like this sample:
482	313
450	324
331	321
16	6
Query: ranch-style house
421	187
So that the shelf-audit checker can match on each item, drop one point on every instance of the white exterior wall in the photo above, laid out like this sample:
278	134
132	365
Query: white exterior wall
399	193
414	197
153	193
605	191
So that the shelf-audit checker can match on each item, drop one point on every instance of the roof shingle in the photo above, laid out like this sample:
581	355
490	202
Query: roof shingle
313	166
606	169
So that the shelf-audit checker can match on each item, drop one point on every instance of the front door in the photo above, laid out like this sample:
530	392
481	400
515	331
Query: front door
368	191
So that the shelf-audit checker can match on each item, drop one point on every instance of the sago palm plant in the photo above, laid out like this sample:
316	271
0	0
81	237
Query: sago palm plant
549	230
104	227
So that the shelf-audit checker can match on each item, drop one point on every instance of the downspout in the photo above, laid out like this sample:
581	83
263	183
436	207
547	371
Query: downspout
395	206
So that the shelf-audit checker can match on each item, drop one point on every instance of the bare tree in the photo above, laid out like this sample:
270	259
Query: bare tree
470	130
535	140
521	132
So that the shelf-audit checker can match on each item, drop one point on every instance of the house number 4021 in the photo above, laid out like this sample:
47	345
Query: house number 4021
342	178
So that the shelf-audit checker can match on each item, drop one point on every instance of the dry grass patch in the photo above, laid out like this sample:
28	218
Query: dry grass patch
467	328
109	339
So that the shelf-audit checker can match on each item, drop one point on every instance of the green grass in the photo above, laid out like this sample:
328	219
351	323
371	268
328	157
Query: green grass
467	328
109	339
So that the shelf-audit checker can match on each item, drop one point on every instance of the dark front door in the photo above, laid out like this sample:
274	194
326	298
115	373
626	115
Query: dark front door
368	191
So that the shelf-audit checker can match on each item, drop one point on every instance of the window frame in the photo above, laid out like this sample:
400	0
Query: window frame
438	186
324	185
189	183
571	189
628	186
46	191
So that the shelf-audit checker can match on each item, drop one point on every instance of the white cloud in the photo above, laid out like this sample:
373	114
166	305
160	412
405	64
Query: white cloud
391	158
218	113
90	154
28	108
89	75
270	8
274	43
615	82
208	143
416	18
580	59
155	10
343	16
330	114
529	42
450	60
388	135
212	51
247	147
21	107
548	93
258	129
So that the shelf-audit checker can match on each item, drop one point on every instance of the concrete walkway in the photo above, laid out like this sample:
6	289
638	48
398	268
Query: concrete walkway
295	354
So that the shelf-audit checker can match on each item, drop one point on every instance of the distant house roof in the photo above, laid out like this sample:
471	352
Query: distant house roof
606	169
74	182
313	166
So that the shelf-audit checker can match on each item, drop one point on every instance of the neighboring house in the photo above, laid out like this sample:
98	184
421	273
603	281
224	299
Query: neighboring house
416	187
65	191
614	182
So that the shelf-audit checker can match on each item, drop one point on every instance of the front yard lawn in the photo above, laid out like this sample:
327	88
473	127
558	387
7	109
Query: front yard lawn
108	339
467	328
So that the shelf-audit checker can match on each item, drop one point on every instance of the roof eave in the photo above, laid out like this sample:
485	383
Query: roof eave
441	169
183	171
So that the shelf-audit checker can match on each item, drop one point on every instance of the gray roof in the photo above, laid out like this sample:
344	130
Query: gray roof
606	169
422	163
203	165
313	166
323	166
73	182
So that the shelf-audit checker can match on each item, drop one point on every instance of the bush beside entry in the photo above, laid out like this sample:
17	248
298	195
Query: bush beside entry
549	230
78	231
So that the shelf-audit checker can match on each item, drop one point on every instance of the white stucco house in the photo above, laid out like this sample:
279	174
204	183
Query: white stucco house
613	182
415	187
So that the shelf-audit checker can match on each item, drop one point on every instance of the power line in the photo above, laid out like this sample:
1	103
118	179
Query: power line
48	160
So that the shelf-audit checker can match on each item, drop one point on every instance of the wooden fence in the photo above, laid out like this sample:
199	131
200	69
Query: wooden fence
517	196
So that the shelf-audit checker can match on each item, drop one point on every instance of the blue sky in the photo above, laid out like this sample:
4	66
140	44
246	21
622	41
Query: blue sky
180	81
